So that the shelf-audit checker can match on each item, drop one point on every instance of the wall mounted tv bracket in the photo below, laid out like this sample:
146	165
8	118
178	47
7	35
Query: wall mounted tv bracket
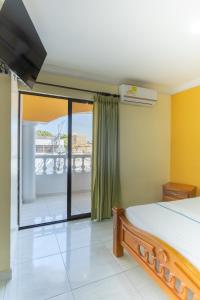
3	68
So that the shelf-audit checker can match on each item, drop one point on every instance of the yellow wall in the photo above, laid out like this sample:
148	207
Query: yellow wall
145	139
5	176
8	172
185	143
14	165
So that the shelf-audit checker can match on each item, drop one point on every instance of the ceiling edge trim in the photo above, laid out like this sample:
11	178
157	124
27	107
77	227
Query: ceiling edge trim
186	86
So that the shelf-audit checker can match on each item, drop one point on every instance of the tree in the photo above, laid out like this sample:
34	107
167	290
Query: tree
64	136
44	133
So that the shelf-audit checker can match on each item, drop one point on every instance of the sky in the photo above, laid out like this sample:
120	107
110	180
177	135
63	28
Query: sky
81	124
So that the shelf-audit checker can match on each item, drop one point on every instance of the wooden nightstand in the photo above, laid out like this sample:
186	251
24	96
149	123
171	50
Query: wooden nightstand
177	191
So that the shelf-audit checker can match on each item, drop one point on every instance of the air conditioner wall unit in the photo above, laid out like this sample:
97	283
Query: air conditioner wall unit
131	94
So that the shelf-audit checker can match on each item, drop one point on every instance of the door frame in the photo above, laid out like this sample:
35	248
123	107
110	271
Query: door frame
70	100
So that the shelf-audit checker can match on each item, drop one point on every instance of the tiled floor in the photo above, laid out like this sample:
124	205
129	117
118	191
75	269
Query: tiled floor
53	208
74	261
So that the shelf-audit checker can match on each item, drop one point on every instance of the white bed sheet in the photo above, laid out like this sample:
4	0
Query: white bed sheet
176	222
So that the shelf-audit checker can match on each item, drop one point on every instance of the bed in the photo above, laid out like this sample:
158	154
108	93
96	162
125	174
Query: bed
164	238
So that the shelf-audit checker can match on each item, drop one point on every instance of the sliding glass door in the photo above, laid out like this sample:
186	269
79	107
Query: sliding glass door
55	159
81	158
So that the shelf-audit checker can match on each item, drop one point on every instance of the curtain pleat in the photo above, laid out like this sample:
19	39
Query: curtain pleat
106	172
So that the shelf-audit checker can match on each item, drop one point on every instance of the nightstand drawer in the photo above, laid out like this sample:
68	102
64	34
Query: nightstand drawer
167	198
175	194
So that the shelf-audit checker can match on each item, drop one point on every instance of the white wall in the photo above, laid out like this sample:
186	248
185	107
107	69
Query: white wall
144	147
57	183
144	151
144	141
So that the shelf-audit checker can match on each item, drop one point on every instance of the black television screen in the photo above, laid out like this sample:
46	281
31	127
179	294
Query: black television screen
20	46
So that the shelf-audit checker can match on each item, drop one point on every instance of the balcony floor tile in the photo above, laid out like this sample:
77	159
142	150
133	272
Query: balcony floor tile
53	208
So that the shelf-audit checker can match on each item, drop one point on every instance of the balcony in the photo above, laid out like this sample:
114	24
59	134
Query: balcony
51	188
46	127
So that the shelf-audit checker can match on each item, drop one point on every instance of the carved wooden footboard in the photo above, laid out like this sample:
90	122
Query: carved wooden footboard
174	273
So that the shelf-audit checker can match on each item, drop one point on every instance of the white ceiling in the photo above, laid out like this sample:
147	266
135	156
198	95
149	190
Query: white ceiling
154	42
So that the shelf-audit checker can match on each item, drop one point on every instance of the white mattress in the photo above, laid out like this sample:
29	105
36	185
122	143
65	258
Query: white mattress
177	223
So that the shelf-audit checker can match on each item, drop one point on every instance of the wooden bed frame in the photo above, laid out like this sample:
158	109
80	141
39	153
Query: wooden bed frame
174	273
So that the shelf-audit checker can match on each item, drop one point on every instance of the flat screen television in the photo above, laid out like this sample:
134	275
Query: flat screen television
20	46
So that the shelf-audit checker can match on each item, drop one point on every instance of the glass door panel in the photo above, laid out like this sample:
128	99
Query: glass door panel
81	158
44	152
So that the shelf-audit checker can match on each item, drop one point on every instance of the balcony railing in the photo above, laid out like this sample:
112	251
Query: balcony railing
50	164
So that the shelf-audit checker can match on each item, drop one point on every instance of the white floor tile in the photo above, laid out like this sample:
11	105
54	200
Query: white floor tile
114	288
67	296
81	234
35	246
138	277
75	235
36	220
39	279
89	264
38	231
126	261
145	285
152	292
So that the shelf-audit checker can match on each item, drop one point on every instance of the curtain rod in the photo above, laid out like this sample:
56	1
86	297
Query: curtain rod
76	89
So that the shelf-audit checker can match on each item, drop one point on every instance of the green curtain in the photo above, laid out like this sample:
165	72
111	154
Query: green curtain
105	166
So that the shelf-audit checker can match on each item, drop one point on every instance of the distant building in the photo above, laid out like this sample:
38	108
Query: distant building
78	139
49	144
54	145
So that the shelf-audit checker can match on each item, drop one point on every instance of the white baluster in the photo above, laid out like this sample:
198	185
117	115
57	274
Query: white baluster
45	166
82	164
54	165
73	163
59	164
90	166
65	165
